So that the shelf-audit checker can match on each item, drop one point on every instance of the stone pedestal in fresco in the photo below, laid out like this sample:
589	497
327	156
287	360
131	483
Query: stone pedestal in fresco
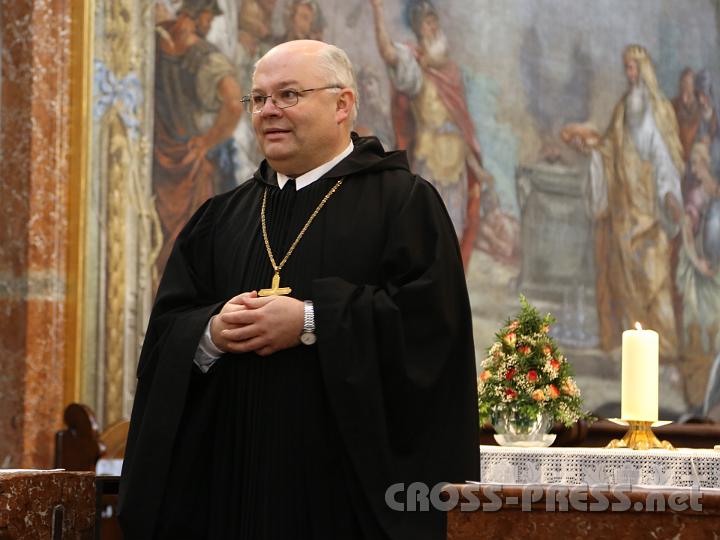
556	267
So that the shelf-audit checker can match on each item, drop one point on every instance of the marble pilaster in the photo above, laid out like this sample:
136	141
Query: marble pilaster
34	139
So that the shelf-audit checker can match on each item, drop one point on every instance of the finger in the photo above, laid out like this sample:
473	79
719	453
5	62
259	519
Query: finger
258	301
238	299
217	326
249	345
265	351
231	308
242	333
241	316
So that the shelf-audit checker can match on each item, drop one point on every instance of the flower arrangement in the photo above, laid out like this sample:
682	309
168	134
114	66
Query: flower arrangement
525	371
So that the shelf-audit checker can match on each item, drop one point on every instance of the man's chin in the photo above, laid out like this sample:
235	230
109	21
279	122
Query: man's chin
277	155
277	144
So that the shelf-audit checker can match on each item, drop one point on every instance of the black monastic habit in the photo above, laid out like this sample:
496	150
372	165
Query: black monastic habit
304	443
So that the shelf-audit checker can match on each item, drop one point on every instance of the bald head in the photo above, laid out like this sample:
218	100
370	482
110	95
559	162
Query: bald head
332	61
313	126
298	46
308	48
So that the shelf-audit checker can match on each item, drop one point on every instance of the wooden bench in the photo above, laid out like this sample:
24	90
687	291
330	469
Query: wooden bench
79	447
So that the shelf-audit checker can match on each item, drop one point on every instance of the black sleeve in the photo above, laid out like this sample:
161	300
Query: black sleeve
184	304
399	362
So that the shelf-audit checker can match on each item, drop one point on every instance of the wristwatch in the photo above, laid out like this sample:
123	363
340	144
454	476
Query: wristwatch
308	336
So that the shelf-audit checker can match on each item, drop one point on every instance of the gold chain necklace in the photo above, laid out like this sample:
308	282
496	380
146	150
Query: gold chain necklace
275	288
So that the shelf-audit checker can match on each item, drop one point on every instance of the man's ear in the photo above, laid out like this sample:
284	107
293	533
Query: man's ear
345	103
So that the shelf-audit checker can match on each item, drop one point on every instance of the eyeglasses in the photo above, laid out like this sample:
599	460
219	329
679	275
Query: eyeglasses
282	99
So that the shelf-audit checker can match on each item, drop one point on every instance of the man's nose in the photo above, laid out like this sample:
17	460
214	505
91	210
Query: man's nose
269	108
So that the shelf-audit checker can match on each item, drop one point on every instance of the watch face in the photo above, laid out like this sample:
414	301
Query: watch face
308	338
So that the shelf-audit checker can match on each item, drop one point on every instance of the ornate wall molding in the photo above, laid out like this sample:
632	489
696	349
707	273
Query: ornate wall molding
120	244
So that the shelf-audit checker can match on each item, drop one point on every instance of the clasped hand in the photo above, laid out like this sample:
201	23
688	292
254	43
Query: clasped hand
264	325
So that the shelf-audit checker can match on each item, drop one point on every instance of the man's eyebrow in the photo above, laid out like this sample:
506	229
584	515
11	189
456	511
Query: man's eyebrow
281	84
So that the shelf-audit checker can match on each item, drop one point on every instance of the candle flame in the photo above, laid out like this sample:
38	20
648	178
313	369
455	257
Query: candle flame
638	326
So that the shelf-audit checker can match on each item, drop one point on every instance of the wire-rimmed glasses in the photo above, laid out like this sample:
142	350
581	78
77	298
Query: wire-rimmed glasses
282	99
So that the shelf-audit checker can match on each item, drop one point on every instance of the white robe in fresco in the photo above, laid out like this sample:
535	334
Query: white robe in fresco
632	172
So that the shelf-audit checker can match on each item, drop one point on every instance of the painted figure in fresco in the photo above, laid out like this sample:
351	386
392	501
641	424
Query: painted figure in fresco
254	38
711	404
697	274
165	10
374	116
256	19
224	29
636	202
687	111
431	117
303	20
708	129
197	106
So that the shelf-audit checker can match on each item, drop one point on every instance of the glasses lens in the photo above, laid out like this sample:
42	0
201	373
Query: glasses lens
285	98
255	102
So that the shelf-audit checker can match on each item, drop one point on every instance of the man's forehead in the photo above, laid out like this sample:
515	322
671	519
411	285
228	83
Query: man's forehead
284	83
276	75
294	61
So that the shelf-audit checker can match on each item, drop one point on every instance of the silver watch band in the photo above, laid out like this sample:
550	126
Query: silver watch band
309	320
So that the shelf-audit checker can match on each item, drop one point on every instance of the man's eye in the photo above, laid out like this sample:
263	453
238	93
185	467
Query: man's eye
257	99
287	95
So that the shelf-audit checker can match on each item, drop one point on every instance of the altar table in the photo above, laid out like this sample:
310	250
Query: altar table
628	515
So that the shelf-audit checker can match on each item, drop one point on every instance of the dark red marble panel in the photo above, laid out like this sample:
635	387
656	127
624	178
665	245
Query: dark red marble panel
28	500
546	517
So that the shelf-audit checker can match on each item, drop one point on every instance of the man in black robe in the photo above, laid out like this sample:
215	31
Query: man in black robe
240	429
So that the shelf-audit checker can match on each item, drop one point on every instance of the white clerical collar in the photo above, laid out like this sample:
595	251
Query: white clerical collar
309	177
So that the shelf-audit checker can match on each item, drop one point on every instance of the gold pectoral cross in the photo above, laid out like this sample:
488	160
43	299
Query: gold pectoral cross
275	288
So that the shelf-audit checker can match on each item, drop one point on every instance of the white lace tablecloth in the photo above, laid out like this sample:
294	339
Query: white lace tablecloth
686	467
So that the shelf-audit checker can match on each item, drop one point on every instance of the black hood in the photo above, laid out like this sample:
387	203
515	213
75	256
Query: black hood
368	156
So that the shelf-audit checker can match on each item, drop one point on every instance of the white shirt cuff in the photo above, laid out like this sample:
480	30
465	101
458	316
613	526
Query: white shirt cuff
207	352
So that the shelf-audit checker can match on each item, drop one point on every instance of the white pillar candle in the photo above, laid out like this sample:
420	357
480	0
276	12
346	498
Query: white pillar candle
640	375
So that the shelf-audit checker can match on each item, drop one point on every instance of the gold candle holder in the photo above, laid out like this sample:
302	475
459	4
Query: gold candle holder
639	436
